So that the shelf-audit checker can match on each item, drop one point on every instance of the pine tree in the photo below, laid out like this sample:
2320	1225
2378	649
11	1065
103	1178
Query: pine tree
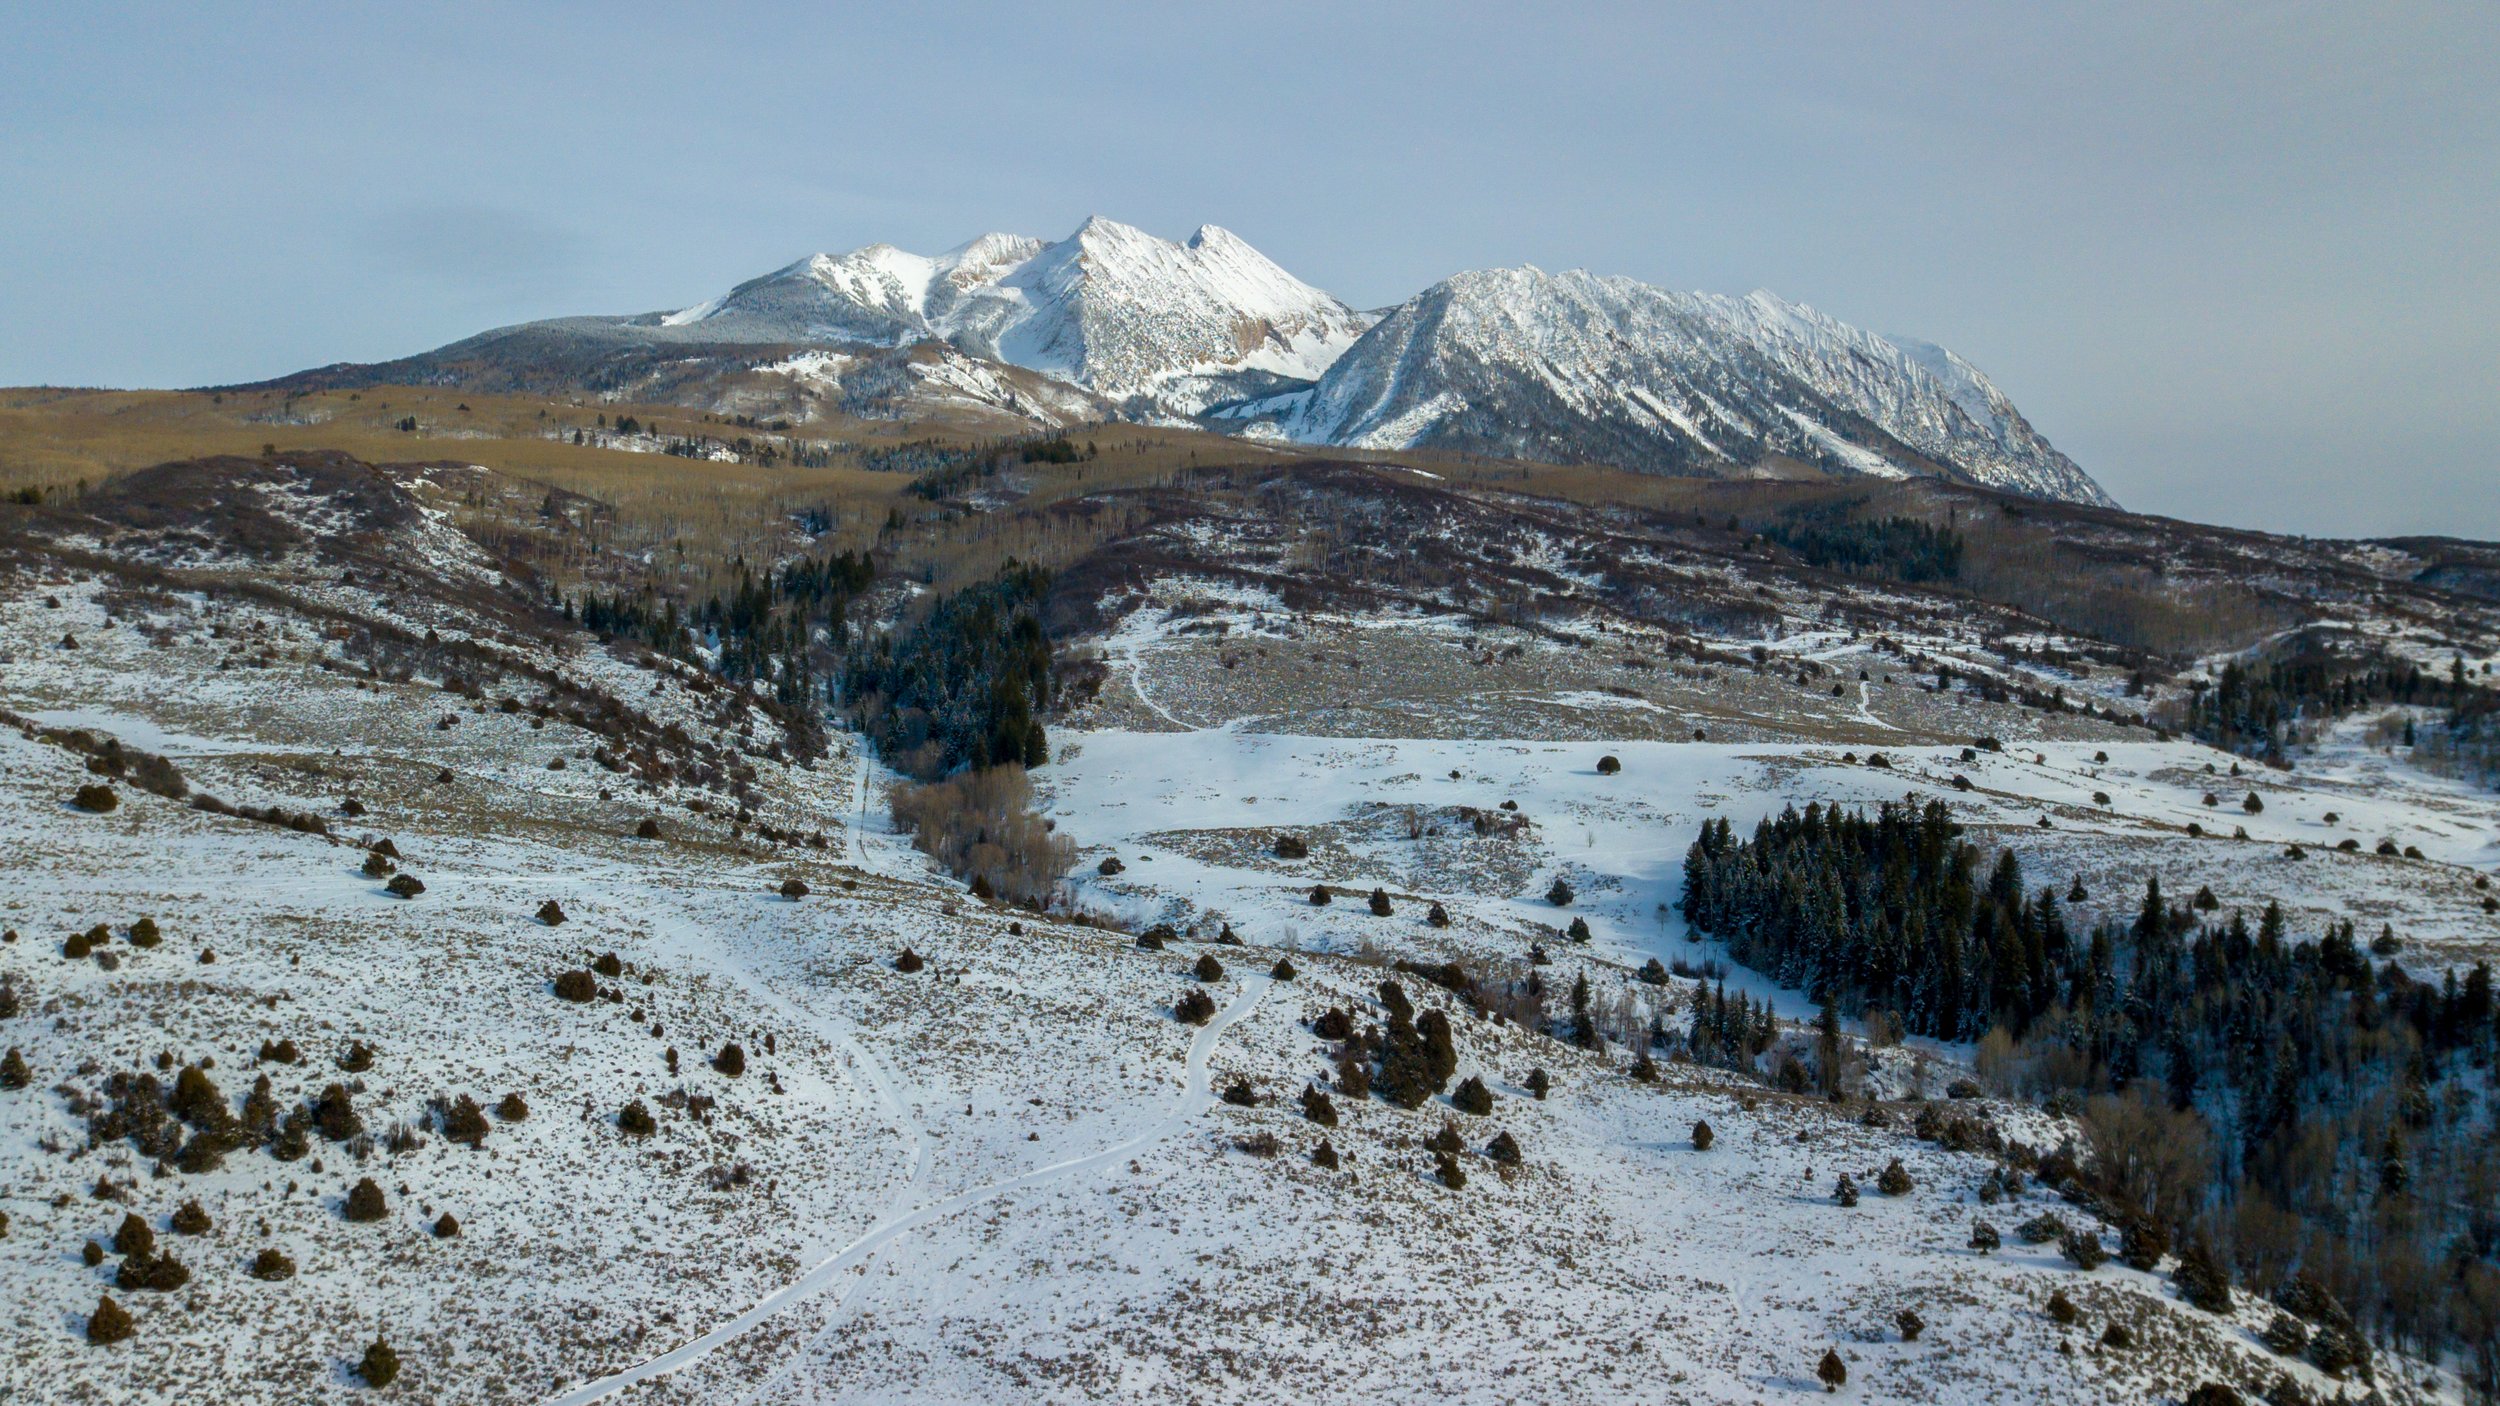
110	1323
365	1202
380	1365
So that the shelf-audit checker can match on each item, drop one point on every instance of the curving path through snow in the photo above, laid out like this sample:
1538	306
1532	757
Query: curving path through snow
1195	1098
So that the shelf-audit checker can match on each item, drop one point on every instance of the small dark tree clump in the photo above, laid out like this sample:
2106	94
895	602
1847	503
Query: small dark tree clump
446	1226
110	1323
1845	1191
1702	1136
380	1366
272	1264
2202	1279
364	1201
1608	766
1318	1106
1292	847
551	913
1437	916
576	986
513	1108
608	965
1984	1238
635	1120
13	1071
1319	895
649	829
403	886
1910	1324
1472	1097
2084	1249
1560	894
1894	1180
96	799
145	933
1195	1007
134	1238
1540	1083
732	1060
794	889
2062	1309
1831	1371
1324	1156
190	1219
1283	970
465	1122
1207	968
1503	1149
1381	907
908	962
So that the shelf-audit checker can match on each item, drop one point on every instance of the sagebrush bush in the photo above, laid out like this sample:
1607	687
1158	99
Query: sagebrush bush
272	1264
1324	1155
191	1219
134	1237
96	799
609	965
635	1120
145	933
513	1108
1195	1007
157	1273
404	886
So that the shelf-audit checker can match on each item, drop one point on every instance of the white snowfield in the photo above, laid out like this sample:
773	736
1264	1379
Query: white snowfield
1013	1176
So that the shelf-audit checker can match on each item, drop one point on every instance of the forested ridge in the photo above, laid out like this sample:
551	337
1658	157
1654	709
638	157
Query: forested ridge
2290	1102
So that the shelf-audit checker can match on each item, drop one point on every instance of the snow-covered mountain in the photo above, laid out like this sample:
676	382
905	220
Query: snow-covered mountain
1114	322
1577	367
1157	325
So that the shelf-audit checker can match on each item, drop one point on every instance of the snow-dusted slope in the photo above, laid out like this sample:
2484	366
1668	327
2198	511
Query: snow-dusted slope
1160	324
1574	366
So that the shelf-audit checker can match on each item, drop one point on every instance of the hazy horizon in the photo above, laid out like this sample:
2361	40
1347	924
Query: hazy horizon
2236	266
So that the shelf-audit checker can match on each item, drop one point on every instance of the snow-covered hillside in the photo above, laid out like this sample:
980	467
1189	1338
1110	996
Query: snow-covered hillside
1576	367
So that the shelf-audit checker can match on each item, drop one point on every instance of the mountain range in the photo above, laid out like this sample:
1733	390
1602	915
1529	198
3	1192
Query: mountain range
1115	323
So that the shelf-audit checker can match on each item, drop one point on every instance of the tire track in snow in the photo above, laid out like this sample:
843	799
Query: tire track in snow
1196	1097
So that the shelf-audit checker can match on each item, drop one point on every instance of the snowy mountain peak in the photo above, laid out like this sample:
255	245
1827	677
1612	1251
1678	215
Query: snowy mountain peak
1170	326
1580	367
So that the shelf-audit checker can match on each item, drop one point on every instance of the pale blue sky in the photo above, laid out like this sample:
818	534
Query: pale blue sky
2240	263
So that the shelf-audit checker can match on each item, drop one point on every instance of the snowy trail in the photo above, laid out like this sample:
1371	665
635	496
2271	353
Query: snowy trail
1195	1098
1866	710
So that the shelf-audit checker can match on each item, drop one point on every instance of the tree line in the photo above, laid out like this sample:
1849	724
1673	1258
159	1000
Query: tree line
2300	1107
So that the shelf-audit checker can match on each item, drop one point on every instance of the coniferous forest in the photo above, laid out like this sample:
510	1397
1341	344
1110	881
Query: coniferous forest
2304	1107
